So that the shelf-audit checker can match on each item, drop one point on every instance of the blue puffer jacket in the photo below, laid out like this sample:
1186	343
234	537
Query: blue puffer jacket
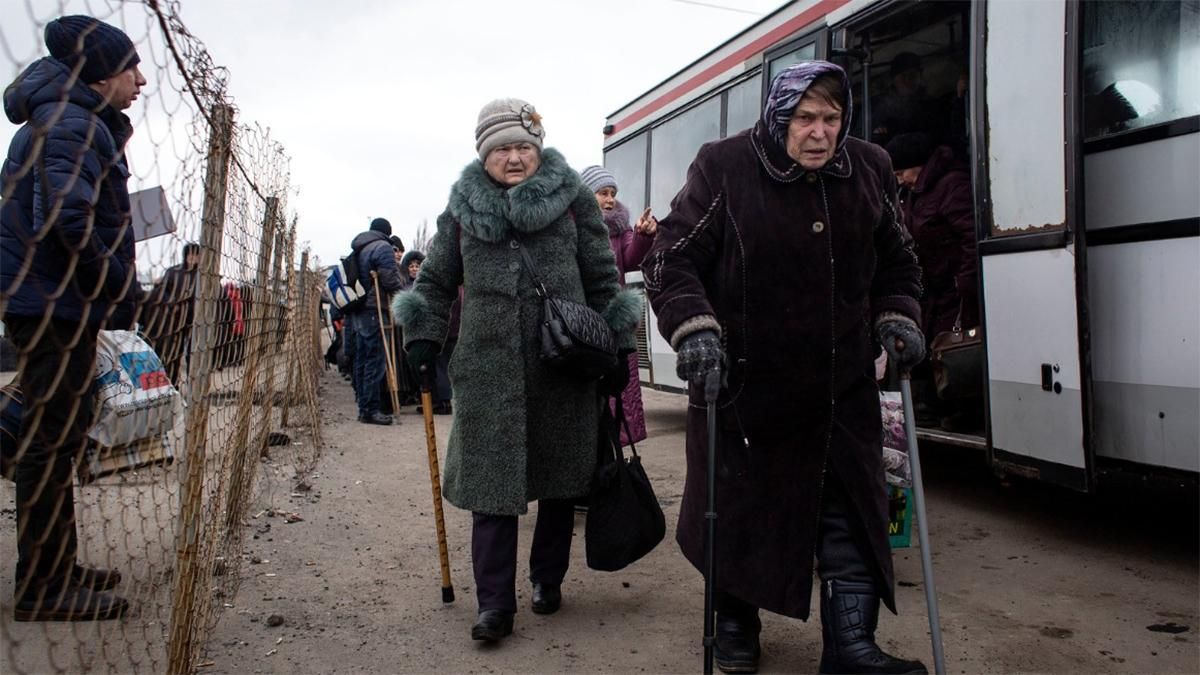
79	266
374	252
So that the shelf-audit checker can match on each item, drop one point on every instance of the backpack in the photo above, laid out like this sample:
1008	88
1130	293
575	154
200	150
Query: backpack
345	289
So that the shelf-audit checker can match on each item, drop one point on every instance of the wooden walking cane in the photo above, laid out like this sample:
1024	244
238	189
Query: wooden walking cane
389	354
430	442
435	478
914	462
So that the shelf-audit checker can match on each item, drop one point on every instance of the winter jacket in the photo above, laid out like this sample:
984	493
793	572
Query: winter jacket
523	431
374	251
170	308
407	259
940	214
795	266
628	246
82	264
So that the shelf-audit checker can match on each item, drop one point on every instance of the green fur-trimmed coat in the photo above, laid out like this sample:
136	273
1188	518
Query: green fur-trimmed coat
522	431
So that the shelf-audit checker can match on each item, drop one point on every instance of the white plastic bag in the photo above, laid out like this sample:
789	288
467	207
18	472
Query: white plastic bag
135	400
895	440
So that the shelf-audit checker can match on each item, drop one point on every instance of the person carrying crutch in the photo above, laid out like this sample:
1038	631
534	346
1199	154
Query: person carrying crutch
373	249
782	262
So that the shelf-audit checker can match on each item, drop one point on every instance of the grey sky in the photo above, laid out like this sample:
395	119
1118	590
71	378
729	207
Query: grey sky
376	101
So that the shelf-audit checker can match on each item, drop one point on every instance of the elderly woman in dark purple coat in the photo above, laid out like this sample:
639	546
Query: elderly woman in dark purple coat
629	244
783	258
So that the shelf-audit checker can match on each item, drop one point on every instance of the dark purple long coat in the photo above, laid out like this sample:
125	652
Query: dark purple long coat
796	266
940	214
630	248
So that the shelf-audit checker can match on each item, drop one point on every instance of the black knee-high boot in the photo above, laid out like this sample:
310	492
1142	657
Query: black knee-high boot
849	614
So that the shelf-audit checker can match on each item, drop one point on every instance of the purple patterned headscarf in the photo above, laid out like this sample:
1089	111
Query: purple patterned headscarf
788	88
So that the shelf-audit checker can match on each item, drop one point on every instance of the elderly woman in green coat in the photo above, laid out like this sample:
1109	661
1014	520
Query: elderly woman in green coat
523	431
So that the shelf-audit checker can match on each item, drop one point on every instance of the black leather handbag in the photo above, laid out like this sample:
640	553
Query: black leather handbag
574	337
624	518
957	358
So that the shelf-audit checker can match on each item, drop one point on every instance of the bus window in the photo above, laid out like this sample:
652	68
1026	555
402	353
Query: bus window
745	104
1140	60
806	52
674	148
627	162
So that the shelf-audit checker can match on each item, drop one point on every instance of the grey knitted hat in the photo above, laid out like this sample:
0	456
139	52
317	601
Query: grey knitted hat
597	178
507	120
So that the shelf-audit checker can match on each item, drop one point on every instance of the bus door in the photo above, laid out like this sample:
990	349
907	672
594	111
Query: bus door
1032	265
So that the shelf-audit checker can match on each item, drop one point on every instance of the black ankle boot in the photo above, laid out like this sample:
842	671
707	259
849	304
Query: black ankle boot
737	649
547	598
492	625
849	614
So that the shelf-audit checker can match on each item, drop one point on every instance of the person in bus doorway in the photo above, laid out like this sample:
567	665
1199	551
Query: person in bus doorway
783	259
906	106
629	244
67	270
524	431
940	215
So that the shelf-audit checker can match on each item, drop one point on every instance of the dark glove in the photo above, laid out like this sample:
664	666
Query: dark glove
911	350
616	379
422	353
699	355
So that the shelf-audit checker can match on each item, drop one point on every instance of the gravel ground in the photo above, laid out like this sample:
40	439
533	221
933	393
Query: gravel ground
1030	578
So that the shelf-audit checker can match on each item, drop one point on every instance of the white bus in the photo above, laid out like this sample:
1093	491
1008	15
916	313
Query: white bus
1082	129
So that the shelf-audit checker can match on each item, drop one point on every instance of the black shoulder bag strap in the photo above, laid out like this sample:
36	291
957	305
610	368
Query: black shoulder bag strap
537	283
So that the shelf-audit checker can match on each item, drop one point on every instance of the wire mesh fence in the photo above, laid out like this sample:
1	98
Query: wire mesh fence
160	348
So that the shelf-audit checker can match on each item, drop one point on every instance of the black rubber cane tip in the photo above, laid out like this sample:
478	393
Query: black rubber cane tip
448	594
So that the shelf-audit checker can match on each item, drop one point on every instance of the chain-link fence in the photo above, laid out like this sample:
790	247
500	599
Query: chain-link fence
196	421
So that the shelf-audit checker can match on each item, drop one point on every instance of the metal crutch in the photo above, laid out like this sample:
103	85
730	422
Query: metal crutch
914	461
712	387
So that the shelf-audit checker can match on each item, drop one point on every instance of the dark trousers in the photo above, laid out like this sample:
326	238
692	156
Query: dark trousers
842	550
368	362
494	552
57	369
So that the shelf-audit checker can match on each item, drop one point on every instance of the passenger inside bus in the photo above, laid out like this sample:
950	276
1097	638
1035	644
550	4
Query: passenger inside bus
905	106
935	189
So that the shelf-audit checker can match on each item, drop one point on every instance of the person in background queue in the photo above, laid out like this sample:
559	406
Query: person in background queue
629	245
523	430
374	251
171	311
66	271
783	257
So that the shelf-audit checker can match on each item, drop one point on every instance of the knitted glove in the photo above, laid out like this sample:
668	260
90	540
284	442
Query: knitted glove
899	328
699	355
422	353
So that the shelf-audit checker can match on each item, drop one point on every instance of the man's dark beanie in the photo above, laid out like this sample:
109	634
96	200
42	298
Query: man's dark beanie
382	225
103	50
910	150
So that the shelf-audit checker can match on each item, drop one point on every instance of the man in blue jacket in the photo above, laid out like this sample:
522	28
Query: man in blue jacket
66	271
374	251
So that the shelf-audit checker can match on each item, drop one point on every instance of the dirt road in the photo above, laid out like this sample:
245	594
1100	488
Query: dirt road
1031	579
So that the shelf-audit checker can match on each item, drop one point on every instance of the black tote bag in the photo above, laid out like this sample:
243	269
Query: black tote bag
624	519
